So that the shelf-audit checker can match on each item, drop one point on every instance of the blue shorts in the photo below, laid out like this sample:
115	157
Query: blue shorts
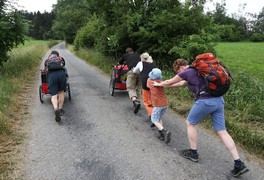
57	81
203	107
157	113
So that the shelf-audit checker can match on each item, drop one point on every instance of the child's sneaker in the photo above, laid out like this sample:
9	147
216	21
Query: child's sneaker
238	170
187	153
152	125
167	136
161	136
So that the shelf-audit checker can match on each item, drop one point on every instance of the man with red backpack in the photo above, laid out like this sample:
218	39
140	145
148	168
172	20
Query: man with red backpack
56	77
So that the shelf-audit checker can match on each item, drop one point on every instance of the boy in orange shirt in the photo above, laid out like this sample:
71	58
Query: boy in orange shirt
159	103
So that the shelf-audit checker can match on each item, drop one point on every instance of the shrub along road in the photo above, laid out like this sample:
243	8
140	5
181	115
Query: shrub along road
99	137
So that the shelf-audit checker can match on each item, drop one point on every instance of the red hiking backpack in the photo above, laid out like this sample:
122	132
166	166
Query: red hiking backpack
54	62
217	76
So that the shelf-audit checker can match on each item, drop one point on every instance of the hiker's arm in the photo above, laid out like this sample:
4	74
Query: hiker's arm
138	68
169	82
179	84
121	60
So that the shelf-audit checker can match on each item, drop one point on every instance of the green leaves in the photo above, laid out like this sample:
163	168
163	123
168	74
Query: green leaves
166	29
12	31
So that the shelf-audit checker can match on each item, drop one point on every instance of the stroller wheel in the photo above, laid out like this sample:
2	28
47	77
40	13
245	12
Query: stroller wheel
69	91
112	84
41	94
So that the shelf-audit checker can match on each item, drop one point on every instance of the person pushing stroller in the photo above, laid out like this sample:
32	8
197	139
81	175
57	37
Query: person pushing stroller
57	79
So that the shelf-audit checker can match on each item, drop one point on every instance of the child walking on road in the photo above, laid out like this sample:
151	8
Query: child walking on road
159	103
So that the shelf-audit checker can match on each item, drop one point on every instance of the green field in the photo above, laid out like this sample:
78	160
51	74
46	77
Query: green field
243	57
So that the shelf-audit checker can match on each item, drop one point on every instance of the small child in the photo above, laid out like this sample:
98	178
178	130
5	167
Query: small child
159	103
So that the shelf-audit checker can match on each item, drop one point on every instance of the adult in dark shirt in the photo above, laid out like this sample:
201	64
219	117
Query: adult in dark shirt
131	59
56	78
204	105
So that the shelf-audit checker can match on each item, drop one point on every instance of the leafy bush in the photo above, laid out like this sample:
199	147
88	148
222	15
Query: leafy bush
87	35
257	37
194	45
12	30
167	30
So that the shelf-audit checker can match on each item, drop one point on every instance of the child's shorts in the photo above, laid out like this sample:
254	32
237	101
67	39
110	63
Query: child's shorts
157	113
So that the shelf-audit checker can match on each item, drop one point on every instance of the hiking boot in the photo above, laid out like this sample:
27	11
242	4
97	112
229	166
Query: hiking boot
161	136
167	136
238	170
62	112
57	115
152	125
136	106
187	153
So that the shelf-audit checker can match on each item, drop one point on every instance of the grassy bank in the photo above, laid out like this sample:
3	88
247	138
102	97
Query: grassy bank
243	103
17	76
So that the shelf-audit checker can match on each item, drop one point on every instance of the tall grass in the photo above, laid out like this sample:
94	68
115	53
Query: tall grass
17	76
244	102
246	62
95	58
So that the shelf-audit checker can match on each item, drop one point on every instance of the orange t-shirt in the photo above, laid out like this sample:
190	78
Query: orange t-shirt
157	94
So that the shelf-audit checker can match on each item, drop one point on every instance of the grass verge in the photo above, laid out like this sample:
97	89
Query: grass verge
17	77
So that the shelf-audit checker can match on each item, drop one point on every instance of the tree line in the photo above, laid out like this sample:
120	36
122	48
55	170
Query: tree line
167	29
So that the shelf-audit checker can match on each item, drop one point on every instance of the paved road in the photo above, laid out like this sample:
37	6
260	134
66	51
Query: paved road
100	138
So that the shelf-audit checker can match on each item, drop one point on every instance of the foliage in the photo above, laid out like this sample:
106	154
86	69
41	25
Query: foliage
232	29
257	37
259	23
87	35
154	26
70	17
166	29
96	58
40	24
17	76
12	30
245	99
194	45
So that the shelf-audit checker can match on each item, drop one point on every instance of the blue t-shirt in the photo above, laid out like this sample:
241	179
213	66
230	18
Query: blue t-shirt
196	83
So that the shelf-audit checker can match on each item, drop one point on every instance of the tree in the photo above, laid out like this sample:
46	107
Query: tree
12	29
259	23
231	28
70	17
166	29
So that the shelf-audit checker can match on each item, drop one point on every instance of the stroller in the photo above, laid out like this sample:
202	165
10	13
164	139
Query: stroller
43	88
118	78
